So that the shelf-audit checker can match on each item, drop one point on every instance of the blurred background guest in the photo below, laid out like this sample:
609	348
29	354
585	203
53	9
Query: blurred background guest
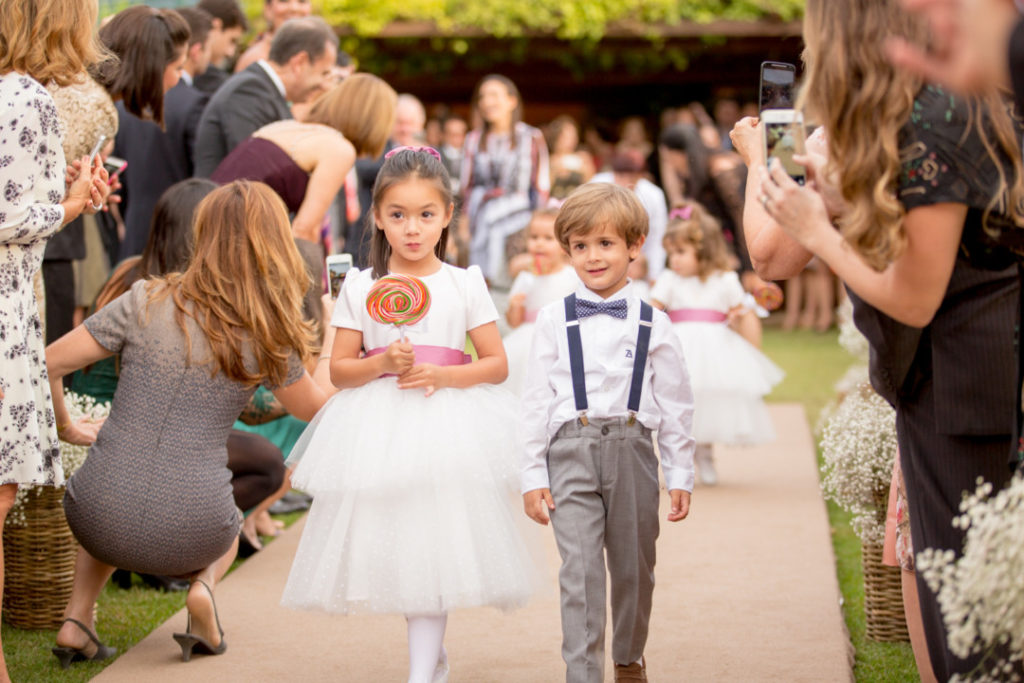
159	155
275	13
505	176
300	65
229	23
570	165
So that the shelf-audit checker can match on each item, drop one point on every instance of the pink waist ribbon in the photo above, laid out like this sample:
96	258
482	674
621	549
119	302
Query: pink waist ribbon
696	315
530	316
436	355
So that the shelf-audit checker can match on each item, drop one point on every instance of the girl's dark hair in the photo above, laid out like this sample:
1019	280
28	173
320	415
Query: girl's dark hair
146	40
517	113
169	246
401	166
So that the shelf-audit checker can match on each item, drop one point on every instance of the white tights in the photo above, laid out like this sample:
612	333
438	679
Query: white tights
426	645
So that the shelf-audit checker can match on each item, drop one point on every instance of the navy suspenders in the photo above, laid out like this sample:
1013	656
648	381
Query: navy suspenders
579	387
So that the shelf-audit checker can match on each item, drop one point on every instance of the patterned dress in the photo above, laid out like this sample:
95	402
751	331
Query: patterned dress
32	185
504	178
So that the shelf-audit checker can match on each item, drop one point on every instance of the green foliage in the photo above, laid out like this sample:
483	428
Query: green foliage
566	19
462	32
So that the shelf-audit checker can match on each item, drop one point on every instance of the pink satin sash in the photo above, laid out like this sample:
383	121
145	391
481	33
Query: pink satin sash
696	315
437	355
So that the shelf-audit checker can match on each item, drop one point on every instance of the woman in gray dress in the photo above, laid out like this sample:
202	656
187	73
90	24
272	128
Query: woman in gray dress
154	495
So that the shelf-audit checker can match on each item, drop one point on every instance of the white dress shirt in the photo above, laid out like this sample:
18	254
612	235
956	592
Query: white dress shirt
609	345
278	83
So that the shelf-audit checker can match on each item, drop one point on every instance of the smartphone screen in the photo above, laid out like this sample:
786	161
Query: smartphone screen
777	83
338	266
783	139
114	165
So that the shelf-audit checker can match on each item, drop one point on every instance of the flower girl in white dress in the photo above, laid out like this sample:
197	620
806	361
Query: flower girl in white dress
730	377
412	465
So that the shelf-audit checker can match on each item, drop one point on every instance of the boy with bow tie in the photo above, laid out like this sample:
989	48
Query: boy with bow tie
605	372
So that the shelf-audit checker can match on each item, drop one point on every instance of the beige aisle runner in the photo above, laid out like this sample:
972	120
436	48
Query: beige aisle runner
746	591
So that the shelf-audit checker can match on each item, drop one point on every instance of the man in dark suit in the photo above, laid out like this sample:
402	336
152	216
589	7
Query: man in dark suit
301	63
229	23
159	158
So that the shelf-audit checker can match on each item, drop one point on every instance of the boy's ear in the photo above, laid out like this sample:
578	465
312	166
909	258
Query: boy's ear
634	249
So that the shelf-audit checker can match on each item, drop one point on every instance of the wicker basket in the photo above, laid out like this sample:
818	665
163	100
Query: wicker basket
883	597
39	562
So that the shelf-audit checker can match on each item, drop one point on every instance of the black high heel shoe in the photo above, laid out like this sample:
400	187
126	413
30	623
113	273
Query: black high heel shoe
69	655
190	641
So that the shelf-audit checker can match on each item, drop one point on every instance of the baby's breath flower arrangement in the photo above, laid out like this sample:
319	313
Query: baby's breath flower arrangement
981	595
857	345
71	456
859	447
850	338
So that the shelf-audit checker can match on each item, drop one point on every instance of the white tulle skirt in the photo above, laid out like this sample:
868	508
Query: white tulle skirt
517	350
730	378
415	508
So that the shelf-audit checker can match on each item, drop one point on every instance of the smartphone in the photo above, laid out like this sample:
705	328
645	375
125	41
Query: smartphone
777	84
96	150
115	166
338	266
784	136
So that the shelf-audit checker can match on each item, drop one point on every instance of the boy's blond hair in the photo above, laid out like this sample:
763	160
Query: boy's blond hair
595	205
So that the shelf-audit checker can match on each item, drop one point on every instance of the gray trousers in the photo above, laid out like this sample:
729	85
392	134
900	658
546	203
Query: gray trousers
604	481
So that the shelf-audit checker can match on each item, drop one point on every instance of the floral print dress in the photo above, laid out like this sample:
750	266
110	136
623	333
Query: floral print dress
31	188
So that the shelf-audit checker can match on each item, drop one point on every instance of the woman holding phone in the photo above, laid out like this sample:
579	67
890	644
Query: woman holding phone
926	189
41	41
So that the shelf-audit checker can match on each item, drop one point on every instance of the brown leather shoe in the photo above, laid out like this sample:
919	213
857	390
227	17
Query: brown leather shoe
637	671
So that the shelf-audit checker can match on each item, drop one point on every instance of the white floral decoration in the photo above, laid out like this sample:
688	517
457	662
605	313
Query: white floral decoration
859	448
71	456
850	338
981	595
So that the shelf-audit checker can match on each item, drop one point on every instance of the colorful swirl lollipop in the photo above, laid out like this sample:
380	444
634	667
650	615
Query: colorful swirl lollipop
398	300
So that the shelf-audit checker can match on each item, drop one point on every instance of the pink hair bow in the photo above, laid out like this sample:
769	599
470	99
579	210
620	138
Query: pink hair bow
408	148
683	213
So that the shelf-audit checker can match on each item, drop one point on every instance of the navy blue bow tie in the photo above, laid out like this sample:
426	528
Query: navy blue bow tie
616	309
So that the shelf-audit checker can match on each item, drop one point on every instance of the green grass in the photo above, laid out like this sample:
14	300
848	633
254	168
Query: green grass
124	617
813	363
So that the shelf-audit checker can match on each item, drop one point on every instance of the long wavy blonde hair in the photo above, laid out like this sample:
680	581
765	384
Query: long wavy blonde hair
244	285
53	41
851	88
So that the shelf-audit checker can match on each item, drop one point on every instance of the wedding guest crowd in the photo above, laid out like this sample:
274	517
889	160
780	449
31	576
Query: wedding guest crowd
185	278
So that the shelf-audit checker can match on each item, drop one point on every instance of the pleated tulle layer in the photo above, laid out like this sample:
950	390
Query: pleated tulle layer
729	377
416	507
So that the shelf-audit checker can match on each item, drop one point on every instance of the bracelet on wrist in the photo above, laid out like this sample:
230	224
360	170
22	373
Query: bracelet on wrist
61	428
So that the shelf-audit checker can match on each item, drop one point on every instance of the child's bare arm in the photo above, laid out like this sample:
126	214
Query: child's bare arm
537	503
516	310
680	505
